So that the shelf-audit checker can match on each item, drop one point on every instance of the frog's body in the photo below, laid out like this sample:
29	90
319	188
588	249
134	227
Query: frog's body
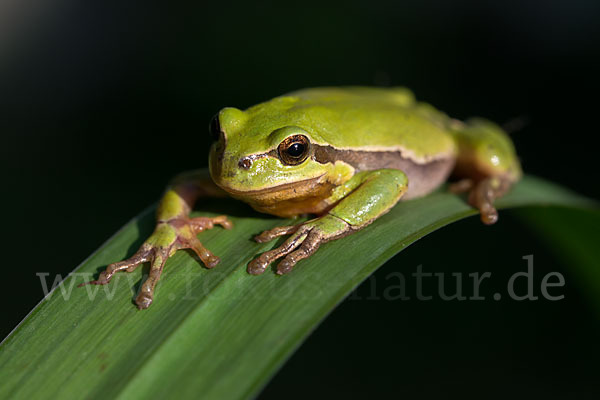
360	129
345	154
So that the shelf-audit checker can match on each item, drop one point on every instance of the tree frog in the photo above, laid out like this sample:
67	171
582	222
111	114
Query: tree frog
346	155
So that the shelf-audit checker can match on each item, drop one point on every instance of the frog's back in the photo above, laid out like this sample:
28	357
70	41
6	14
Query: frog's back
373	119
367	128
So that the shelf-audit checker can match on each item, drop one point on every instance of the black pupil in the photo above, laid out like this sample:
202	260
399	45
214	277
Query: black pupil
214	127
296	150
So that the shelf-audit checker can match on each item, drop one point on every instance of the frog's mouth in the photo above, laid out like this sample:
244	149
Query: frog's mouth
293	187
308	196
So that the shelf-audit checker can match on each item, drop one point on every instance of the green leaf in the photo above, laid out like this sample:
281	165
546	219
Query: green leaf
572	235
218	334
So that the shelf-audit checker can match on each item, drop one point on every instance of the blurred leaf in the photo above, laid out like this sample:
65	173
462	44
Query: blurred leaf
572	235
214	334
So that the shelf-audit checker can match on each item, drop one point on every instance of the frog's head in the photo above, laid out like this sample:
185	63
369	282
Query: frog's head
266	155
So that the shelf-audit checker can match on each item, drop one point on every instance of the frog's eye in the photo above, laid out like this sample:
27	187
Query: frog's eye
294	149
214	128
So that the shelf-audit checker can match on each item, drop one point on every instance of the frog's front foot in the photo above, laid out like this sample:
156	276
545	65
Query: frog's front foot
305	240
168	237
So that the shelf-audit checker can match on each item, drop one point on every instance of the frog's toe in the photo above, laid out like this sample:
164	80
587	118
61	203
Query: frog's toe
207	257
271	234
484	193
461	186
146	294
260	263
489	215
143	301
144	254
202	223
307	248
257	266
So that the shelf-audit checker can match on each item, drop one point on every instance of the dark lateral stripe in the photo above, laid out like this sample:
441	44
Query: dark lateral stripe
359	159
422	178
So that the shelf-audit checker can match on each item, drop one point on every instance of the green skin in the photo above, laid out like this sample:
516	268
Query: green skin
345	124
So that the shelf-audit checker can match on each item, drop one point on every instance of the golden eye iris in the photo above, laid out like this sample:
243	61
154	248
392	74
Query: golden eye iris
294	149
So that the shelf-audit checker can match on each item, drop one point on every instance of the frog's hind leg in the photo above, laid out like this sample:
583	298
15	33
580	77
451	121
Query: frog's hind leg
486	165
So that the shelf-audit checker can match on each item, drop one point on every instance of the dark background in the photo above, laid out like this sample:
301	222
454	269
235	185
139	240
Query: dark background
102	102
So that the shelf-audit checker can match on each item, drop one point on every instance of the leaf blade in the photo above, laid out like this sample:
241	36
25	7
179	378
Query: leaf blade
224	333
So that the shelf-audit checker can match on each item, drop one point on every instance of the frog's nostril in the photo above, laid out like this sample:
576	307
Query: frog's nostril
245	163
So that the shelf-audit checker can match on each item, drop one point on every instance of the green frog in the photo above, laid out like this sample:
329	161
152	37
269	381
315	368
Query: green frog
345	155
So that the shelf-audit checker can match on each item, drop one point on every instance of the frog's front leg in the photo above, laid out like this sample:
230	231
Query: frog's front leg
361	200
174	230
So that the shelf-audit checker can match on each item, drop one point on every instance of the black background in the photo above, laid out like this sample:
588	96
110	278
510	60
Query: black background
102	102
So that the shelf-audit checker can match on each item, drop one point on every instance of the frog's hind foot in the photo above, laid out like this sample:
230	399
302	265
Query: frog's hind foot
482	195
